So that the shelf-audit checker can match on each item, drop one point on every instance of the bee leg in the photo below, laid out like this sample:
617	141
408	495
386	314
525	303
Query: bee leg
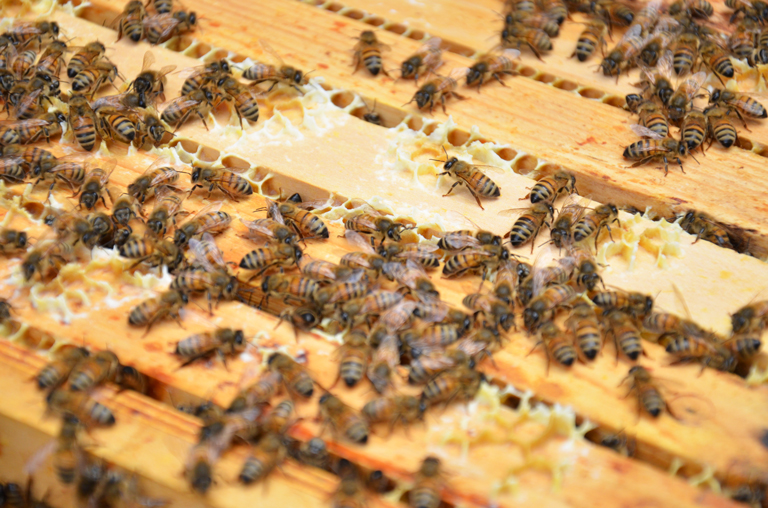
451	189
496	75
202	119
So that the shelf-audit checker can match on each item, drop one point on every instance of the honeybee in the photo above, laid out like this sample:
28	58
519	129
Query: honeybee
716	59
493	66
24	103
527	227
585	327
591	37
368	53
648	396
94	186
680	101
412	276
131	379
720	126
625	333
213	278
585	274
167	304
92	371
221	342
753	317
685	50
264	458
91	78
81	406
46	259
705	227
421	252
760	57
541	21
568	216
167	207
149	128
244	98
272	230
371	222
57	371
439	88
271	255
656	147
457	384
343	419
492	307
285	74
351	491
658	81
154	178
427	59
372	304
557	345
516	34
371	116
131	21
258	393
385	359
154	252
31	130
622	55
295	377
694	130
742	104
473	178
693	347
428	486
234	186
548	188
21	32
161	27
636	304
52	58
485	259
461	239
741	43
12	241
353	355
306	224
198	101
83	122
12	170
694	8
655	46
151	83
615	13
325	271
202	76
199	467
209	219
394	409
85	57
541	307
366	260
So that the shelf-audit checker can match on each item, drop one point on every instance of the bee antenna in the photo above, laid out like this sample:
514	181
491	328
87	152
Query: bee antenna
445	152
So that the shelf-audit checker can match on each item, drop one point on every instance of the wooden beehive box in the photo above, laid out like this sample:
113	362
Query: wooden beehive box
558	113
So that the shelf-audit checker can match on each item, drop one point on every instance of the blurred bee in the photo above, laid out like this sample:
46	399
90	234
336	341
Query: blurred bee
244	98
592	37
585	327
541	307
199	467
162	6
366	259
694	130
264	458
167	207
636	304
353	358
751	318
269	256
368	53
151	83
209	219
91	78
83	122
94	186
648	396
420	252
742	104
742	41
373	304
527	227
350	492
167	304
202	76
706	228
716	59
656	147
720	126
343	419
81	406
413	277
258	393
290	288
31	130
85	57
154	252
94	370
743	348
461	239
614	13
485	259
124	209
284	74
618	442
694	8
557	344
22	32
295	377
306	224
427	59
548	188
149	128
67	454
655	48
585	274
680	101
623	54
131	379
691	347
232	185
395	409
561	233
198	101
52	59
685	50
386	356
434	361
625	333
12	169
428	486
475	180
493	66
57	371
371	222
516	34
325	271
41	162
372	116
131	21
221	342
46	259
12	241
270	229
154	178
658	81
438	89
25	103
457	384
212	276
161	27
760	56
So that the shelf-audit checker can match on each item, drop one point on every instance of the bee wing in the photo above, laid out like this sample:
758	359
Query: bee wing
211	207
313	205
396	316
149	60
355	276
359	241
645	132
394	270
108	166
511	212
166	23
388	352
544	259
436	360
665	64
693	84
201	251
266	47
33	464
432	45
184	103
188	72
32	122
512	54
460	217
633	32
274	211
470	346
167	69
458	73
433	311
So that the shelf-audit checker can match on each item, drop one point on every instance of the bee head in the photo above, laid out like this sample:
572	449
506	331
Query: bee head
450	163
422	98
298	77
473	75
197	172
184	298
224	66
239	338
21	239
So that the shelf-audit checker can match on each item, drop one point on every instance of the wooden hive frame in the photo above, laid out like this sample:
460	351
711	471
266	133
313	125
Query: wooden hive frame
723	439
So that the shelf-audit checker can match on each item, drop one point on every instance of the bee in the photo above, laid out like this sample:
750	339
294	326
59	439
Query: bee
692	347
432	362
162	6
167	207
154	178
55	372
372	116
516	34
198	101
648	396
244	98
150	82
557	345
485	259
294	376
149	128
656	147
234	186
376	302
438	89
343	419
81	406
269	256
52	59
695	8
615	13
46	259
413	277
199	467
25	103
685	49
366	260
154	252
592	37
290	287
167	304
306	224
278	419
24	31
131	21
202	76
656	47
585	327
314	453
372	222
493	66
209	219
741	43
31	130
285	74
743	348
636	304
760	56
456	384
658	81
561	233
94	370
548	188
91	78
94	186
680	101
427	59
85	57
325	270
720	126
585	274
625	334
12	241
368	53
716	60
351	491
264	458
741	103
395	409
12	169
221	342
694	130
161	27
541	307
258	393
83	122
272	230
705	227
461	239
131	379
124	209
475	180
753	317
622	55
428	485
419	252
527	227
353	358
41	162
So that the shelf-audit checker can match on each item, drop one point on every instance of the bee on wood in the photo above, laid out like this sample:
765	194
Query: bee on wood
161	27
131	21
285	74
12	241
499	311
648	396
592	37
42	164
692	347
694	130
516	34
304	222
167	207
680	101
557	344
432	362
585	327
658	81
343	419
339	292
540	21
154	252
269	256
272	230
694	8
200	77
353	355
91	78
131	379
720	126
685	49
638	305
485	259
58	370
294	376
366	259
209	219
706	228
46	259
742	41
154	178
264	458
528	225
371	116
623	54
420	252
83	122
179	110
395	409
751	318
289	288
85	57
81	406
52	58
716	59
493	66
368	53
374	303
125	208
413	277
199	467
428	485
615	14
656	147
438	89
167	304
231	184
457	384
586	273
25	103
22	32
742	104
350	492
568	216
221	342
151	83
244	98
148	128
259	393
31	130
656	45
549	188
94	186
541	307
92	371
371	222
473	178
427	59
212	276
626	334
